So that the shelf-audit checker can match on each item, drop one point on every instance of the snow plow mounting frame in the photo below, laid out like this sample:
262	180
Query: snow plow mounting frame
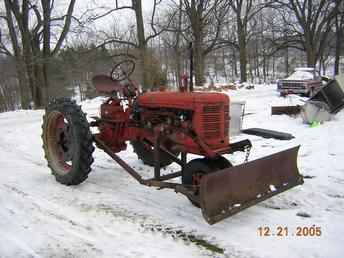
213	185
160	180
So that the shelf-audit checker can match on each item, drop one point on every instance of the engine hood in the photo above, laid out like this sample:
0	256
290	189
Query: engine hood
184	100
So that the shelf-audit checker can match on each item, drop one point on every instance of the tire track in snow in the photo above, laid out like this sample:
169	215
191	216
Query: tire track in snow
32	232
144	223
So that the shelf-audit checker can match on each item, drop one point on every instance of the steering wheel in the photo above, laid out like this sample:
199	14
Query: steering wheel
123	70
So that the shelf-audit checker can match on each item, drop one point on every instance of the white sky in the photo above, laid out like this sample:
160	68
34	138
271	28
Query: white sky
100	6
121	18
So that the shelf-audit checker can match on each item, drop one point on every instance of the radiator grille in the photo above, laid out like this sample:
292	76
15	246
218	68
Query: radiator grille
293	85
211	118
226	112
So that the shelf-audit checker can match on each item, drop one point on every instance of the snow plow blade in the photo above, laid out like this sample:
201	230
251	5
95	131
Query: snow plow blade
234	189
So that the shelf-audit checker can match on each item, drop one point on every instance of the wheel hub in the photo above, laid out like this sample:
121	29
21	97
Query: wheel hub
64	140
60	142
196	179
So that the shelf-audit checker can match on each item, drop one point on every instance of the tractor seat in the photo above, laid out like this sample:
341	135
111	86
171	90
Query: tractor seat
104	84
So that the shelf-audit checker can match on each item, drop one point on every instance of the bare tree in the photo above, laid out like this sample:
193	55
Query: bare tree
9	89
142	38
339	30
310	24
177	45
244	11
206	19
32	45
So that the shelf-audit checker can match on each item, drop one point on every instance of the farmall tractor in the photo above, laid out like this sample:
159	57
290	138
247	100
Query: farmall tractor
163	127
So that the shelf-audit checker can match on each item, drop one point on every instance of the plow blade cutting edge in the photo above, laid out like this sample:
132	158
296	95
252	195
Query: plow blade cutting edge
233	189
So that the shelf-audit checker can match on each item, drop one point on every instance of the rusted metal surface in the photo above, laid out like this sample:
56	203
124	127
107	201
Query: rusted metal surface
240	145
121	162
285	110
156	181
169	176
332	94
231	190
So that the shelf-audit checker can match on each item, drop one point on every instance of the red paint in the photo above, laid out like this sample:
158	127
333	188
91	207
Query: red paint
183	118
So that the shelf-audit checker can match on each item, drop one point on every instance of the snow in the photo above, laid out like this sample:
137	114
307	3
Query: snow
309	69
111	215
300	75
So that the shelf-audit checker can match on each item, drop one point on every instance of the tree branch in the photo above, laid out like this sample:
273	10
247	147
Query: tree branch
65	28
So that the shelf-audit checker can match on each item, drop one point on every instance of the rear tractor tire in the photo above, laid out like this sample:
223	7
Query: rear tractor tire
67	142
197	168
146	153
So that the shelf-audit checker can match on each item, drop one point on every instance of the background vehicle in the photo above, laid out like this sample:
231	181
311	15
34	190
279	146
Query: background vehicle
305	81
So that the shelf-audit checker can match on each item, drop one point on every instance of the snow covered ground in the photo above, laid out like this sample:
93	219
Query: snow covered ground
111	215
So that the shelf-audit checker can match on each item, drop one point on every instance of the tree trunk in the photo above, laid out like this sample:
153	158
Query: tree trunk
178	70
250	69
224	64
242	53
311	54
215	66
339	43
286	61
145	76
273	66
30	72
324	66
20	59
264	67
177	50
40	93
256	63
337	57
25	97
146	79
234	63
267	69
198	63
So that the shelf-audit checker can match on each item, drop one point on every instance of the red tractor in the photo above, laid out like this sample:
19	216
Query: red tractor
163	127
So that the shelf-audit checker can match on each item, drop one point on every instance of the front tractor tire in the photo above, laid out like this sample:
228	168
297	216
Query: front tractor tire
193	172
197	168
67	142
